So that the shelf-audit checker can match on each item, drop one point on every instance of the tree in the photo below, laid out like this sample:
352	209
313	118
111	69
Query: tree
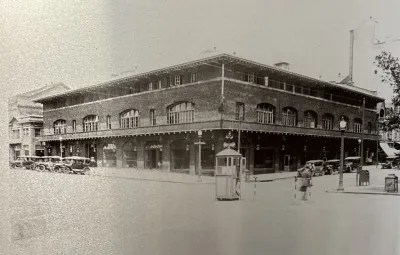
390	73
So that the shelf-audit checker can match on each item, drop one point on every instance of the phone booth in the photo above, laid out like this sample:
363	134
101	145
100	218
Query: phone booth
229	168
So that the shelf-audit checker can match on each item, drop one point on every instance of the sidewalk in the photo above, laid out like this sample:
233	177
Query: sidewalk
157	175
376	186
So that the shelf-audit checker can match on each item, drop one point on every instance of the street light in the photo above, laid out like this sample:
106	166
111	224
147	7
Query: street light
200	134
342	126
359	147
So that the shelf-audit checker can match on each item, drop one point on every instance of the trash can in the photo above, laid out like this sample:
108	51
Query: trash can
392	183
227	175
363	178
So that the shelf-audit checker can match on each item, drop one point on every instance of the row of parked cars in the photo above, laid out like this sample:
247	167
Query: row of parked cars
332	166
74	164
392	162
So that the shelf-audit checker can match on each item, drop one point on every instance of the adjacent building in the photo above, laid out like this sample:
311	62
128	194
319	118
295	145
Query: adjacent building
26	121
151	120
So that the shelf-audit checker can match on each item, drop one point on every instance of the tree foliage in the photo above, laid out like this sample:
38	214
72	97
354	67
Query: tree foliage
390	74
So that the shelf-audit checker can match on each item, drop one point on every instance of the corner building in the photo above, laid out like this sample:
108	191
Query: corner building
151	120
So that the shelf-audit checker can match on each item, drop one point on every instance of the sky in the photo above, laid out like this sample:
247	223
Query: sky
82	43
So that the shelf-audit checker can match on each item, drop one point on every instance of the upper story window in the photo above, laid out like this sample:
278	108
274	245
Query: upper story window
310	119
37	132
90	123
180	113
108	122
239	111
74	126
357	125
152	117
193	77
15	134
249	77
129	118
347	121
178	80
327	121
265	113
289	116
266	80
60	127
26	132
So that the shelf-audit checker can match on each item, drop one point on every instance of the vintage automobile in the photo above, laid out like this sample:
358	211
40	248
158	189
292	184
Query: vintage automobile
29	162
48	163
319	167
76	164
391	162
17	163
351	164
332	166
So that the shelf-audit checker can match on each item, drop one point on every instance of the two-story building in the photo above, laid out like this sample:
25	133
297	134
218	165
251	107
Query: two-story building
151	120
26	121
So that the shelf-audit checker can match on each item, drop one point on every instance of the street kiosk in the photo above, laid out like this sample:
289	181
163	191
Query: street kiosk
229	165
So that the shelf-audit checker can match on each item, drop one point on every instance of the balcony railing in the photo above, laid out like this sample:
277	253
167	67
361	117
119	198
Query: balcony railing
207	125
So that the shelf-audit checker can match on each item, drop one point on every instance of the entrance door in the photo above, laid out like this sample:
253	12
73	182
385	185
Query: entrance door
286	163
151	159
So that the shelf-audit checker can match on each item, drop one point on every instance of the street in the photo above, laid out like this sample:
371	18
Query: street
73	214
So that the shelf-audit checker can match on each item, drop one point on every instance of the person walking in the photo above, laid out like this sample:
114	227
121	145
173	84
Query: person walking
305	175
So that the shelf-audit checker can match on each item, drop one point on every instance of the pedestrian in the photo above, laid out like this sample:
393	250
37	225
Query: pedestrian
159	164
305	175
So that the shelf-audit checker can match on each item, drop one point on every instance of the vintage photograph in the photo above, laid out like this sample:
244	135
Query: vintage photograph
200	127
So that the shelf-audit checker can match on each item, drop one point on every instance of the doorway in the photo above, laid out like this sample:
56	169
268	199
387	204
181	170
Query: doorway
286	163
152	157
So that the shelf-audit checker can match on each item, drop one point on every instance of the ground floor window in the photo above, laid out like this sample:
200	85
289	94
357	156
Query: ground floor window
207	157
180	156
110	155
129	155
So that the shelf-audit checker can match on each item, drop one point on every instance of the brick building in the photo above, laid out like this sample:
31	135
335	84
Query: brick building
143	120
26	121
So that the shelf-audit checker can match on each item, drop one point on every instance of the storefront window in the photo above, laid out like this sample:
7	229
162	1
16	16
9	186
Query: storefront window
264	158
110	155
129	155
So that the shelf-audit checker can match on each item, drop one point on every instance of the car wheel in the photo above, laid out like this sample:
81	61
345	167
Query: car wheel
41	168
33	167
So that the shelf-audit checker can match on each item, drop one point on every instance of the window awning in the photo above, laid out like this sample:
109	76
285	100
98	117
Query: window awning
388	150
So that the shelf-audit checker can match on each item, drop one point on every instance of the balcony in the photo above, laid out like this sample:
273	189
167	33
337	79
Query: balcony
208	125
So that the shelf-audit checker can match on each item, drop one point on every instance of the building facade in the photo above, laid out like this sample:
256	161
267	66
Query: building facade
151	120
26	121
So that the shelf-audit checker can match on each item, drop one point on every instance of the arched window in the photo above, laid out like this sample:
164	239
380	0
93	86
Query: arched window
310	119
90	123
357	125
60	127
347	121
265	113
289	116
180	113
382	113
327	121
129	119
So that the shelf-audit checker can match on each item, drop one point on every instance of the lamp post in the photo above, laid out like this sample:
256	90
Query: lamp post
342	126
359	154
200	134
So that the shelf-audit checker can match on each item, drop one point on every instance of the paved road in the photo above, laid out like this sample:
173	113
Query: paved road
71	214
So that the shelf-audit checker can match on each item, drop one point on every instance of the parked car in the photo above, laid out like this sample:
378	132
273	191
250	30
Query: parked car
48	163
391	162
76	164
319	167
351	164
331	166
29	162
16	163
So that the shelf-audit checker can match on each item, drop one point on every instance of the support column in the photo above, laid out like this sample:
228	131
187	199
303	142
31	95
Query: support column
140	153
118	155
192	165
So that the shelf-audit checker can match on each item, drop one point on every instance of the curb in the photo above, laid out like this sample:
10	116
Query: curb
271	180
364	193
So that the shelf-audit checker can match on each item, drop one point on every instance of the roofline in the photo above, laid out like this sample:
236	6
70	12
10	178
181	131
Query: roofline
219	57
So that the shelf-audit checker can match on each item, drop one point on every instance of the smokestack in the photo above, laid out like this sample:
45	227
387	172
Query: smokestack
351	56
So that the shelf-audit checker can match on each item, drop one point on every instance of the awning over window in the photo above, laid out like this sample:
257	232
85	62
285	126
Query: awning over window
388	150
